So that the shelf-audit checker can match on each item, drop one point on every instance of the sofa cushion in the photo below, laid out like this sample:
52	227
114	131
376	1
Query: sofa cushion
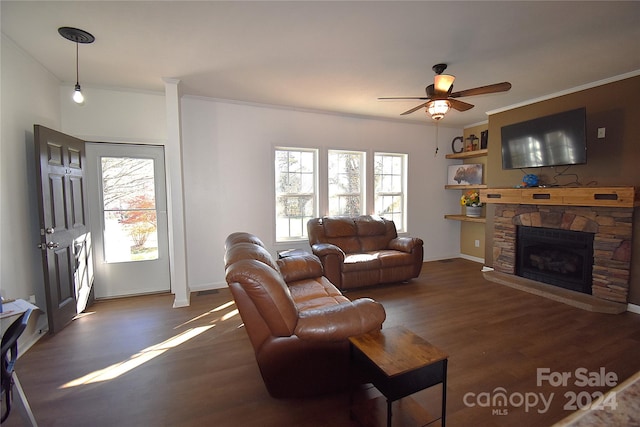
320	302
374	233
359	262
374	243
247	250
391	258
339	227
242	237
341	231
315	293
368	225
300	267
308	289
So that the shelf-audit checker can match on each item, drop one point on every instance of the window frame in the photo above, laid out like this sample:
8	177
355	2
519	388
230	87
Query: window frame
362	194
404	176
276	195
321	196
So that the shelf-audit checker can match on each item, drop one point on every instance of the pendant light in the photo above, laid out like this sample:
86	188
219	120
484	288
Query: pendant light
77	36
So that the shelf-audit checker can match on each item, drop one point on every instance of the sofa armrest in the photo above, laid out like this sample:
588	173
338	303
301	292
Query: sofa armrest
338	322
332	258
325	249
405	244
299	267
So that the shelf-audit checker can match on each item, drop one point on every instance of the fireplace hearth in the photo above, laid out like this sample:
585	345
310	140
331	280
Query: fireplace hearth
557	257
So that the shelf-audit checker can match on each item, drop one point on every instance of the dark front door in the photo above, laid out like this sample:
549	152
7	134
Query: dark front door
64	238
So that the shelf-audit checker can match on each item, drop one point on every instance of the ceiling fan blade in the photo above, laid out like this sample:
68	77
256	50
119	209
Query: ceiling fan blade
456	104
404	97
414	109
497	87
443	82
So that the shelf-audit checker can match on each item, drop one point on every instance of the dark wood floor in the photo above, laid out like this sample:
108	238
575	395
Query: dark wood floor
132	362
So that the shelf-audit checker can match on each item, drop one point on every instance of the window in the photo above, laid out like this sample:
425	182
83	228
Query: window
346	182
296	191
390	179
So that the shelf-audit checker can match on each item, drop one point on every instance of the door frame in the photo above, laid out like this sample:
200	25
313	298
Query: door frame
123	270
175	190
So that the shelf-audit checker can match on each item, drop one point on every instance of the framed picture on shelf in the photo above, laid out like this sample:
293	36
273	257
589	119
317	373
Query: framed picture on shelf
467	174
484	139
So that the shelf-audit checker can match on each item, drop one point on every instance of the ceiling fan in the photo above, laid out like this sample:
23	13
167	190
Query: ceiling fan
440	96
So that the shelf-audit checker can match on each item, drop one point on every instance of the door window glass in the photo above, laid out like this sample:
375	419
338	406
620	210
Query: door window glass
129	209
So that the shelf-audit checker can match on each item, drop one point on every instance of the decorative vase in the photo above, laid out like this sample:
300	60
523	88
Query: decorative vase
473	211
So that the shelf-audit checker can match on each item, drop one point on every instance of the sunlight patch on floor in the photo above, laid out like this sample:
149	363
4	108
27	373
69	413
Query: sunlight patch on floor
149	353
222	307
218	308
229	315
83	314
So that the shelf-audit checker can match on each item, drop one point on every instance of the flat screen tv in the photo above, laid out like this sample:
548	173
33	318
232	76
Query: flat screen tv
555	140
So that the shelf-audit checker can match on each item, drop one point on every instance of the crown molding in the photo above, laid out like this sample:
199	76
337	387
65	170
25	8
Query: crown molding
567	92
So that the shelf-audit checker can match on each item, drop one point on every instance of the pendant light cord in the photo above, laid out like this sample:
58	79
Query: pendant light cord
77	66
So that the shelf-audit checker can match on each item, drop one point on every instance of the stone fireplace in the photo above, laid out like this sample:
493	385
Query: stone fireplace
611	228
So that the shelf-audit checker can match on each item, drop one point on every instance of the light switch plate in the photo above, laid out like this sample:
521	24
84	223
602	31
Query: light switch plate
601	132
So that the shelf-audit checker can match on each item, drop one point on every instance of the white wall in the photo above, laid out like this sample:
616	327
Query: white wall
228	174
29	96
228	170
32	95
115	115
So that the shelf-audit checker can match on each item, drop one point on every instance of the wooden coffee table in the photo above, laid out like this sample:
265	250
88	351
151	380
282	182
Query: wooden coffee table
399	363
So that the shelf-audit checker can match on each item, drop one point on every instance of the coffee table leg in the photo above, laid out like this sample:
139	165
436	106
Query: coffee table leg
444	392
388	413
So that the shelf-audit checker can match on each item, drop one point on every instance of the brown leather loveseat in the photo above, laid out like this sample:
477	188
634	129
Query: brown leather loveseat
364	251
297	321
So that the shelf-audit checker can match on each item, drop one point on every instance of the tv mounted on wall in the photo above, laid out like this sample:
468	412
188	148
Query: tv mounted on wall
555	140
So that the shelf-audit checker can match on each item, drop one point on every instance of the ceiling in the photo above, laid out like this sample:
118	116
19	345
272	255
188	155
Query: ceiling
334	56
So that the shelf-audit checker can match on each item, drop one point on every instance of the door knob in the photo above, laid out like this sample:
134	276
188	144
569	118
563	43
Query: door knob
49	230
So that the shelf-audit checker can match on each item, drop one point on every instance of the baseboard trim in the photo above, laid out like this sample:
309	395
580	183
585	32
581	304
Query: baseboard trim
30	340
472	258
207	286
633	308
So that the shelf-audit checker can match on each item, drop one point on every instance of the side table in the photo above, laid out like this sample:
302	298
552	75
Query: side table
400	363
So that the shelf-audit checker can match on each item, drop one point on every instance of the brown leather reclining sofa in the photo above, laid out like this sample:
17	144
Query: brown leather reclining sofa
297	321
364	251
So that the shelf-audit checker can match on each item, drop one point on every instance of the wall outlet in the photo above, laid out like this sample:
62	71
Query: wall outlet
601	132
477	243
32	299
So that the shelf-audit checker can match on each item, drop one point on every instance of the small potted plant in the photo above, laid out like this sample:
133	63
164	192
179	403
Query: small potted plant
471	201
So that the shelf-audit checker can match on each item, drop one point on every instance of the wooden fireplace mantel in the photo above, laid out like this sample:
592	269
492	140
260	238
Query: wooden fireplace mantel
621	197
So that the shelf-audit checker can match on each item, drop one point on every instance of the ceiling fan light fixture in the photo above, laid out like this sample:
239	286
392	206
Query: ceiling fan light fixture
443	82
440	96
438	108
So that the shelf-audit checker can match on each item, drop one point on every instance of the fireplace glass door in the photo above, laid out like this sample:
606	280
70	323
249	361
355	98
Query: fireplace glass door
558	257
